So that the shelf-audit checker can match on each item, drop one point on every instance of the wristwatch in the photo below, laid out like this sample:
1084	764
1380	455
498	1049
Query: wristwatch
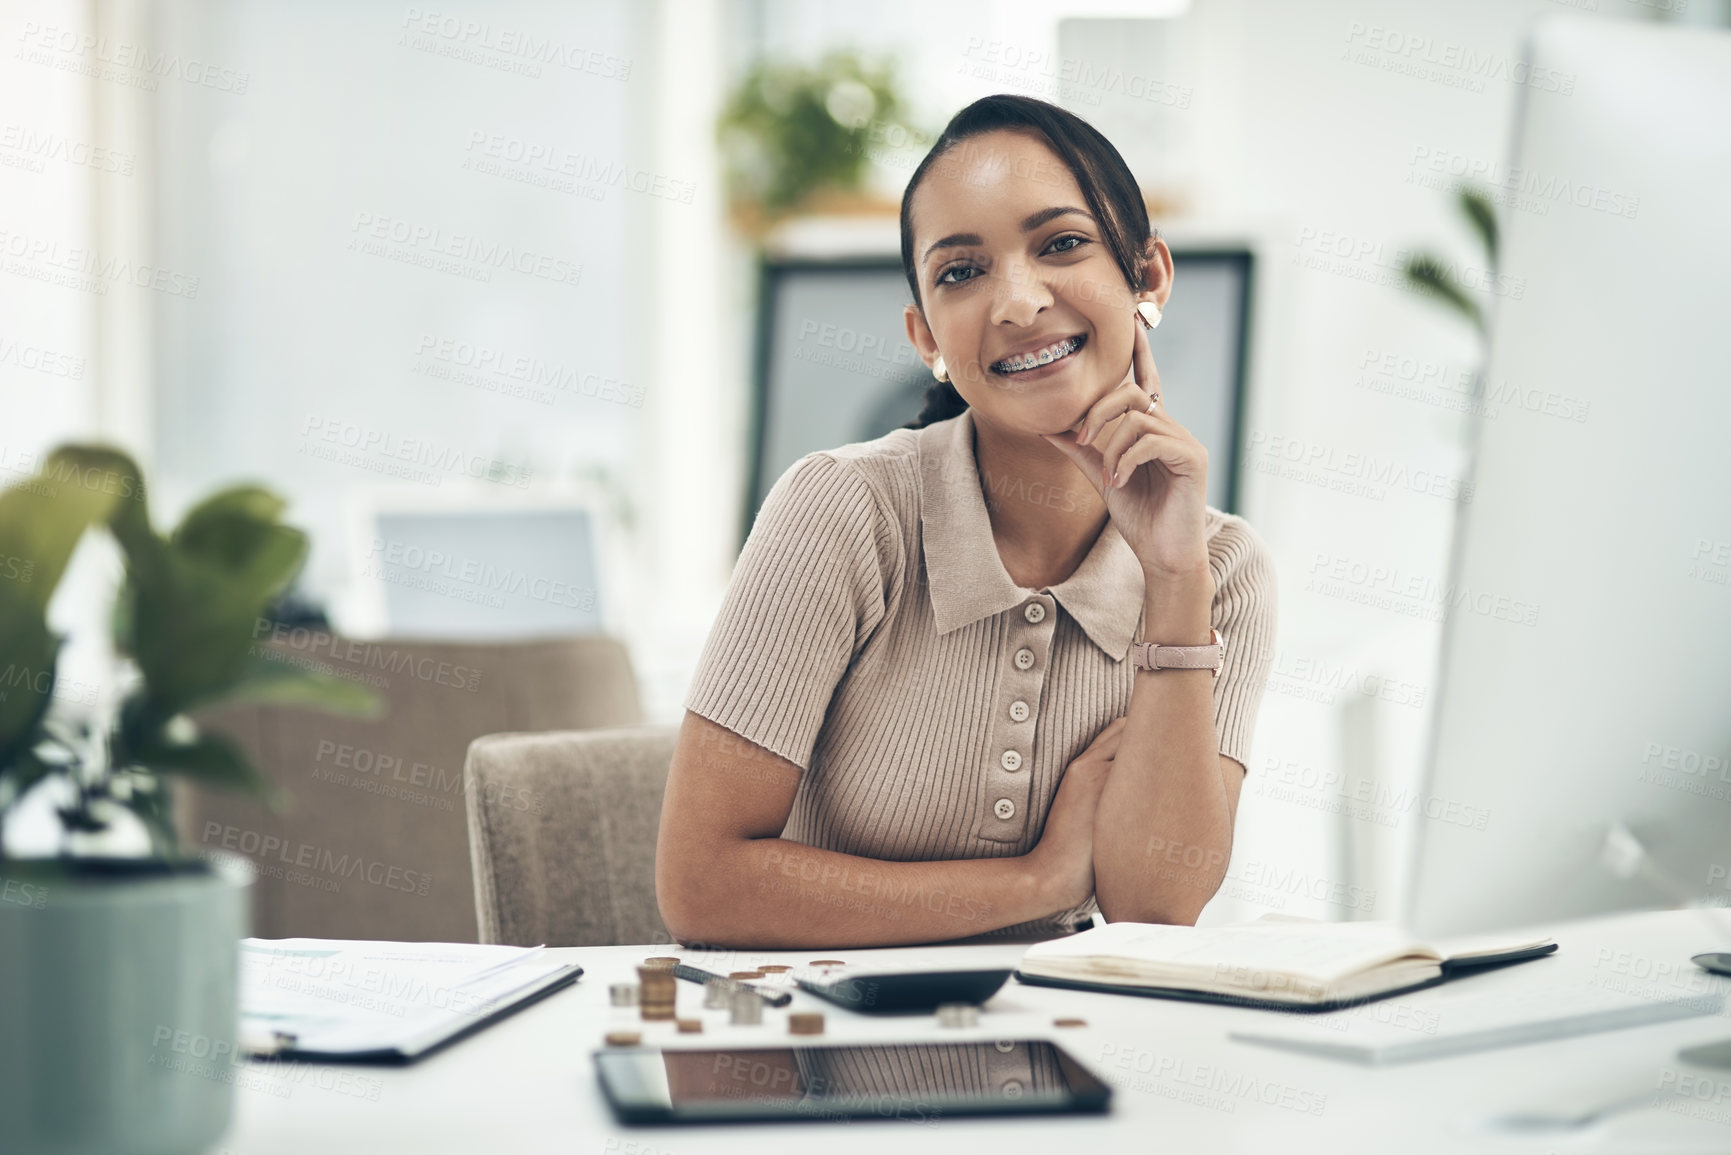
1154	656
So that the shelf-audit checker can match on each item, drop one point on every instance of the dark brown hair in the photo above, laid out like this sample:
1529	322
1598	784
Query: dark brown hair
1111	192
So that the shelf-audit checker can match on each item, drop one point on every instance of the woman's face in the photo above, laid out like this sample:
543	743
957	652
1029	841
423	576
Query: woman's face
1021	294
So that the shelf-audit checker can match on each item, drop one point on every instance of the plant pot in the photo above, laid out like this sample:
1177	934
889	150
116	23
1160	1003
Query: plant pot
120	1013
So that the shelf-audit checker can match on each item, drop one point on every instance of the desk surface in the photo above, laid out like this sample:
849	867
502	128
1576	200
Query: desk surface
527	1084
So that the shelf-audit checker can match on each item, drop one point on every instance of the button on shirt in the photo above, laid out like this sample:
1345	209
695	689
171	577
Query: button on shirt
871	636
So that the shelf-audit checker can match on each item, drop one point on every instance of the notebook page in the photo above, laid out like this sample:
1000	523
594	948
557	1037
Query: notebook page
1324	953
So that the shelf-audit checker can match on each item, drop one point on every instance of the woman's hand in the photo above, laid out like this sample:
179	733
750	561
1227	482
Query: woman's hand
1151	471
1064	857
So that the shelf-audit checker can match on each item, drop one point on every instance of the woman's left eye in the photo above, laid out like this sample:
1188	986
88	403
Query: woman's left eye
1054	246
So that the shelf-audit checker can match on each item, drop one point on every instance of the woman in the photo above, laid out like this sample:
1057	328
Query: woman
917	718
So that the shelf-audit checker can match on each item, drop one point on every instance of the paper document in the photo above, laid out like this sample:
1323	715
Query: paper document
353	997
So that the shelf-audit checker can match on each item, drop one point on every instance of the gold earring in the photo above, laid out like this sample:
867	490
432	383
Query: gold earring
1150	314
940	370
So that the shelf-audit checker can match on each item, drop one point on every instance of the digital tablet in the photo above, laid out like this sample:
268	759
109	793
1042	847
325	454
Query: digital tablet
917	1083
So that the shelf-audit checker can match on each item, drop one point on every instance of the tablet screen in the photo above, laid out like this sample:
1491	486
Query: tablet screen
914	1082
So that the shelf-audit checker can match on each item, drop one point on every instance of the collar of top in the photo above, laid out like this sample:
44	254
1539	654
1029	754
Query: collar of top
966	576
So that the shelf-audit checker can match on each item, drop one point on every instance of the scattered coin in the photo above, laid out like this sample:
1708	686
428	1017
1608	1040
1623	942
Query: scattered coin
656	992
1069	1022
958	1015
827	962
745	1009
623	994
746	975
690	1026
661	961
774	969
623	1038
805	1023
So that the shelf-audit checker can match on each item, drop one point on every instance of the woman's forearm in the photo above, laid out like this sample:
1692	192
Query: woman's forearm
1163	832
772	893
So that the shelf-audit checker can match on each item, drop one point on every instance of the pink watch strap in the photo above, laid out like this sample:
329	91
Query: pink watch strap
1155	656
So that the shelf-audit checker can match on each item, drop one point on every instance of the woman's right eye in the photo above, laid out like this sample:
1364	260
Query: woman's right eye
944	278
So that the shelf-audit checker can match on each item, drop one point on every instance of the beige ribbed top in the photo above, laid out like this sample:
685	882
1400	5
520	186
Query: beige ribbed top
871	635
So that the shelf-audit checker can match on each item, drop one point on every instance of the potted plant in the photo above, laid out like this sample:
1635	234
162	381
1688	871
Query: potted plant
118	1023
798	139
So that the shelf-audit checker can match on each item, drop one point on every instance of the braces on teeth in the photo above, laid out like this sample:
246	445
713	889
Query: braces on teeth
1044	357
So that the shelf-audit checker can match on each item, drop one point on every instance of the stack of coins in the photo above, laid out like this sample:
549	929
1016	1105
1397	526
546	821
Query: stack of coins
745	1009
805	1023
689	1026
623	1038
745	976
958	1015
718	994
655	991
623	994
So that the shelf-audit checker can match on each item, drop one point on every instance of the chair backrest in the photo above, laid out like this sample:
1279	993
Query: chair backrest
375	842
562	831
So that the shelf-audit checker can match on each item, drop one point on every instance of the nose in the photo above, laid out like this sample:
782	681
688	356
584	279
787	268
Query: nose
1019	295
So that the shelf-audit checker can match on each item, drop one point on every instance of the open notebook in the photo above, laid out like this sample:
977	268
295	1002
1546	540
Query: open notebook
1282	964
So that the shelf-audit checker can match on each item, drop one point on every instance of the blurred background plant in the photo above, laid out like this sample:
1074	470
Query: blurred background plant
801	139
1435	277
187	622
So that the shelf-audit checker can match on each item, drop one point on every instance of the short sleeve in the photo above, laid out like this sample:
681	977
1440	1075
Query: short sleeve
808	590
1244	613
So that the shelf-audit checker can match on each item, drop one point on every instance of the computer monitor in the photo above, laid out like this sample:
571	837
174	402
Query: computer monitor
480	566
1585	679
834	365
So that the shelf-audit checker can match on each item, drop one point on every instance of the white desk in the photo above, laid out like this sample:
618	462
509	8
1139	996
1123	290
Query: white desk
527	1084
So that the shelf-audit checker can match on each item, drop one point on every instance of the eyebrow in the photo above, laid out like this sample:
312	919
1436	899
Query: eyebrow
1029	224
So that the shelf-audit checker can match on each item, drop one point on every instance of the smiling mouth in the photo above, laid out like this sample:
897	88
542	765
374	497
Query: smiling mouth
1056	351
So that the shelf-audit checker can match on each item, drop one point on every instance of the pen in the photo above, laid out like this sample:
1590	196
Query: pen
697	975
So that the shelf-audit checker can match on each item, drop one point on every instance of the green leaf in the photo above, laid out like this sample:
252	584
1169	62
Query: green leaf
1426	272
211	759
27	671
1482	215
282	684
